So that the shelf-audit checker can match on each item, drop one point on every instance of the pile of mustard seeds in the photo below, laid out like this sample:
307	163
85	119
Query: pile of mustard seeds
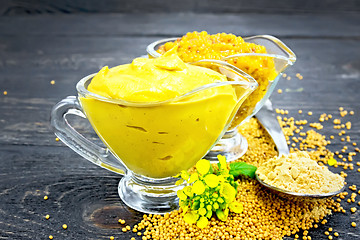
265	215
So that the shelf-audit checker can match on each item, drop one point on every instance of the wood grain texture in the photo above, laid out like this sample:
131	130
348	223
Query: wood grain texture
18	7
36	50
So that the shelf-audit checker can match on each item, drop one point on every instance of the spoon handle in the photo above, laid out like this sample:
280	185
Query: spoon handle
267	118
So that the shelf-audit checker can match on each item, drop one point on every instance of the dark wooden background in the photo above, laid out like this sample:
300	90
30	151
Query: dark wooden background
63	41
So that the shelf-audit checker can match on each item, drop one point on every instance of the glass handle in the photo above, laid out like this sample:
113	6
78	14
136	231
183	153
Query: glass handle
87	149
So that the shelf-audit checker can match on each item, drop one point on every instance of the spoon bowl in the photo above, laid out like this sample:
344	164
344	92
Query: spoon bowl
294	196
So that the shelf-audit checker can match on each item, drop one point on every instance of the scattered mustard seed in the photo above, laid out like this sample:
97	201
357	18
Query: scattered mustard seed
112	238
51	237
64	226
5	93
288	78
47	216
57	139
300	111
351	112
279	91
46	197
353	224
52	82
336	234
310	113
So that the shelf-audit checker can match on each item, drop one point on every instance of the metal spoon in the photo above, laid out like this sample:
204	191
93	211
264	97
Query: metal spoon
267	118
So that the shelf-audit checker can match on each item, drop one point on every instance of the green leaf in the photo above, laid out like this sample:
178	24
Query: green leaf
242	168
202	222
203	166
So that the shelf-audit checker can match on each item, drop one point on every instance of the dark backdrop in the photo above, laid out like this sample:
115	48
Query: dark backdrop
16	7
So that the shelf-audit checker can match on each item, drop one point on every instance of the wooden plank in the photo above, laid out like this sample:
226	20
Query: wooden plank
36	50
169	25
25	113
16	7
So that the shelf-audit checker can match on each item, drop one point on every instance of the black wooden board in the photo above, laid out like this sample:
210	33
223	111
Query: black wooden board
37	49
23	7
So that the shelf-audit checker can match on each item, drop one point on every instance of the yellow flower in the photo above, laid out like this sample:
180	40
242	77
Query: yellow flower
202	222
203	166
191	217
193	177
184	175
181	195
202	211
211	180
236	207
332	162
228	192
198	187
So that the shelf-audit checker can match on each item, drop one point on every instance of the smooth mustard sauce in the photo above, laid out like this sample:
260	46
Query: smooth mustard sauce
159	141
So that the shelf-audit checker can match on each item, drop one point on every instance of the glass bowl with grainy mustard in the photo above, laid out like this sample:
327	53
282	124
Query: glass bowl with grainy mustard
263	57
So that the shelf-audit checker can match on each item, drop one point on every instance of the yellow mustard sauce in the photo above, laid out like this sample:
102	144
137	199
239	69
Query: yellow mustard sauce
160	140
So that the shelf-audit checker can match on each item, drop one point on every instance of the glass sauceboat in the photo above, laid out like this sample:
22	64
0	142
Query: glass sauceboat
233	145
149	154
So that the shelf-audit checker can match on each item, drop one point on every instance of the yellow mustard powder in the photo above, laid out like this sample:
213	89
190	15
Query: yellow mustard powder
297	172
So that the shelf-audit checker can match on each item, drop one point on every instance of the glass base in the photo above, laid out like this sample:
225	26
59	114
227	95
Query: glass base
232	145
148	195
